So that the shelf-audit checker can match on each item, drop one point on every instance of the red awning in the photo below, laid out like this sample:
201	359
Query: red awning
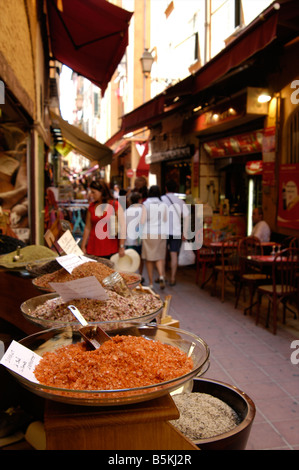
256	37
277	23
144	115
89	36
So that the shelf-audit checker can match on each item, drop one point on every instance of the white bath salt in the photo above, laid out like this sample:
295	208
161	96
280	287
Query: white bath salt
203	416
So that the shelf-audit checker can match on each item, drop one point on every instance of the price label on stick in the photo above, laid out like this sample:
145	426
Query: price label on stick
68	244
85	288
70	262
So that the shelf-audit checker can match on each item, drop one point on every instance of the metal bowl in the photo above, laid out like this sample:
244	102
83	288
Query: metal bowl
29	306
55	338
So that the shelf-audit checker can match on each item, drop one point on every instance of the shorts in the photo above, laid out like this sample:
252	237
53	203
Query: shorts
174	244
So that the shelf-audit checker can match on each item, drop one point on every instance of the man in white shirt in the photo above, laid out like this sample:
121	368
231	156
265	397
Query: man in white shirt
177	209
261	229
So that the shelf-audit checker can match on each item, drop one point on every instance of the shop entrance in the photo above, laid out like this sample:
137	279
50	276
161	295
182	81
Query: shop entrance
180	172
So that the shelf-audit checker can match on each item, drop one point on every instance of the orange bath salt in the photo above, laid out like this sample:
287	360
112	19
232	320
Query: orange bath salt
123	362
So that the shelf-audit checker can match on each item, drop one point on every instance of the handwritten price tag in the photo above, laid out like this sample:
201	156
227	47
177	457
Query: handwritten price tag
68	244
85	288
70	262
21	360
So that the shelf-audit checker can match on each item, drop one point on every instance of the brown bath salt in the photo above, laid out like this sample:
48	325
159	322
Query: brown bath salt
90	268
203	416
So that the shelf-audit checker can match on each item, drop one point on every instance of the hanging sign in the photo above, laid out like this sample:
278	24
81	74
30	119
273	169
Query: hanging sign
254	167
269	156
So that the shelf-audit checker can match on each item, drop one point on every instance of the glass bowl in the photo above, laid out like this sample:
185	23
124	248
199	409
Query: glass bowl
52	339
28	307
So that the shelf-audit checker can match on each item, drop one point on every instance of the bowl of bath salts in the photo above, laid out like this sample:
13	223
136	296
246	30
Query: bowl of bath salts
27	255
215	415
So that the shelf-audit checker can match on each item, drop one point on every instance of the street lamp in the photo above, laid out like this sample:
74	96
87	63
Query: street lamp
146	62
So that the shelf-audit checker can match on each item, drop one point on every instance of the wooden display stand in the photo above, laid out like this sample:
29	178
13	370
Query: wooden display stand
15	289
142	426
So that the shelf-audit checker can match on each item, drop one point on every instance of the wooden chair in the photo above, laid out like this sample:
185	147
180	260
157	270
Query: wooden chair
294	243
205	256
249	277
284	285
230	266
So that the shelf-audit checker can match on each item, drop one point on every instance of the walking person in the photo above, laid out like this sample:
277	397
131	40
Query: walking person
133	223
154	233
100	236
178	214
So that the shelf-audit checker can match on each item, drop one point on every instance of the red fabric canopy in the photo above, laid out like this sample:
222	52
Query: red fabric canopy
144	115
89	36
257	36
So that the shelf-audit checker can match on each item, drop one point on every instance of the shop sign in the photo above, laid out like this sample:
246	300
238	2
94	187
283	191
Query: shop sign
63	148
212	119
254	167
130	173
168	155
235	145
288	203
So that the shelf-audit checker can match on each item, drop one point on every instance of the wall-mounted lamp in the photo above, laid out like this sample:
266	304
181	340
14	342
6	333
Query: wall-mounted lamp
264	98
146	62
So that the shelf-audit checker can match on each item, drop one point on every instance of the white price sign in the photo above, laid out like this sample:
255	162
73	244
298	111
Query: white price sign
21	360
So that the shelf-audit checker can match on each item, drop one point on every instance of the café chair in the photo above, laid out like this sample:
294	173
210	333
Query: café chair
230	266
205	256
284	285
294	243
250	277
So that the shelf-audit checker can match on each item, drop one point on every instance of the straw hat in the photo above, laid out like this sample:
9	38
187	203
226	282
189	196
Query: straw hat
130	262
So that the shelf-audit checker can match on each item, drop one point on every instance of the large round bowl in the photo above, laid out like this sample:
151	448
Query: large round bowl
52	339
136	280
29	306
235	439
46	266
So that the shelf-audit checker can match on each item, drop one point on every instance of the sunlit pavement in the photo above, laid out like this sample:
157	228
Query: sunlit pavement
246	355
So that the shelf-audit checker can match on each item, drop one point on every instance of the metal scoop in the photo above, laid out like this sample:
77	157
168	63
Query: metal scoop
93	335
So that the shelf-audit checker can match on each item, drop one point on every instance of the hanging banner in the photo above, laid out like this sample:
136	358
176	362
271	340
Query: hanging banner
195	169
288	203
269	157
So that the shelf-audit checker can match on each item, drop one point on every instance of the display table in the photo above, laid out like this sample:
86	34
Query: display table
141	426
15	289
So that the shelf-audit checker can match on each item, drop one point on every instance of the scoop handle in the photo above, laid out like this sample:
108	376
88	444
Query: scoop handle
78	315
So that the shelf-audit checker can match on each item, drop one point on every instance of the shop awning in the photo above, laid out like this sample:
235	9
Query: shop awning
144	115
89	36
80	141
254	38
277	24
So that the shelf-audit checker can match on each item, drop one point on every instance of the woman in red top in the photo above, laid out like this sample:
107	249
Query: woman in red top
99	237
